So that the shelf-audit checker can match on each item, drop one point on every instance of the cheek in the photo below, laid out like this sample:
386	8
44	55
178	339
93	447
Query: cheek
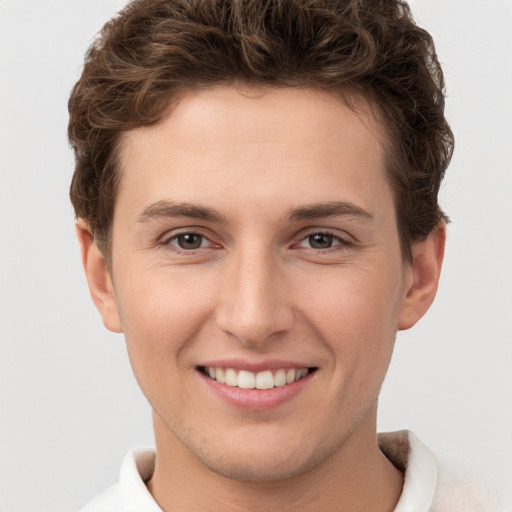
355	312
161	315
354	297
161	310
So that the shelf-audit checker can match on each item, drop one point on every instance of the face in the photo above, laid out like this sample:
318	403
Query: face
257	277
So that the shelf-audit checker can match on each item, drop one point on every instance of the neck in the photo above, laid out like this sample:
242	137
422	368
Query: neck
357	477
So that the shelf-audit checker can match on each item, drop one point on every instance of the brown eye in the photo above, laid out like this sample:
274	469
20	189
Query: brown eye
321	240
189	241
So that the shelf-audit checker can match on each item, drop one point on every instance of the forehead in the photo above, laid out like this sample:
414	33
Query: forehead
254	142
204	110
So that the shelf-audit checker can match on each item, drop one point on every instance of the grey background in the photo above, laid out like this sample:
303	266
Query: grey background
69	406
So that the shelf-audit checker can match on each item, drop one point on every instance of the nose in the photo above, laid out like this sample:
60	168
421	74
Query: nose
253	305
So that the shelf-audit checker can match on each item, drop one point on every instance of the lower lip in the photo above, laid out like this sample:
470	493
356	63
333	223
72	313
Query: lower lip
256	399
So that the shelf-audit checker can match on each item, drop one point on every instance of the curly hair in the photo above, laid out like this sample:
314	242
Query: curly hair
154	51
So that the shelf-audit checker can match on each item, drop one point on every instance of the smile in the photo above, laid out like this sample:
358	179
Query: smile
266	379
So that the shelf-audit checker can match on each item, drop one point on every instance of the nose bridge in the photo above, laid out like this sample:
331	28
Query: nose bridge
253	304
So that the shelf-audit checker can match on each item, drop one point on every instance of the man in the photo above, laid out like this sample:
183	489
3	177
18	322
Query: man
256	193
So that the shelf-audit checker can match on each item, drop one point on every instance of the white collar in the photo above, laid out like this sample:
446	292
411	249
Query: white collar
136	469
419	465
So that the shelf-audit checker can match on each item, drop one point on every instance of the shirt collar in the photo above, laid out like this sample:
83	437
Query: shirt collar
136	469
419	465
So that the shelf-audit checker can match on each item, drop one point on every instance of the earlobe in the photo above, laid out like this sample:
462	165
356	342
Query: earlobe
424	277
98	278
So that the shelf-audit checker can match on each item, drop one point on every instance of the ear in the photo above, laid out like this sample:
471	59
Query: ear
422	277
98	278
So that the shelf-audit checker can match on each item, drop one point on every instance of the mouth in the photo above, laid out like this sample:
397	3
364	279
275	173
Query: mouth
266	379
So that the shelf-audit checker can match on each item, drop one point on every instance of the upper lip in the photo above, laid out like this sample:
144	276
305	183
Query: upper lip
254	366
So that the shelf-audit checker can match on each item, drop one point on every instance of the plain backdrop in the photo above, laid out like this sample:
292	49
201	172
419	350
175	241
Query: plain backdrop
69	406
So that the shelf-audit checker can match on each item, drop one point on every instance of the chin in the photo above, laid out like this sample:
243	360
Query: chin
263	462
268	470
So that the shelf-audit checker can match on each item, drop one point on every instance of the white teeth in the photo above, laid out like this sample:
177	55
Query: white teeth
290	376
220	376
266	379
231	377
280	378
246	380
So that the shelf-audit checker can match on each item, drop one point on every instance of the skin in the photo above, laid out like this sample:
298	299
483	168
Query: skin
258	288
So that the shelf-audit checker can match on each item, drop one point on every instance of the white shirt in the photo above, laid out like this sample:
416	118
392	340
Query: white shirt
426	488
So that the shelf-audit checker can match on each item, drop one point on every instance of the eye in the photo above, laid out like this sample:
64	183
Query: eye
322	240
189	241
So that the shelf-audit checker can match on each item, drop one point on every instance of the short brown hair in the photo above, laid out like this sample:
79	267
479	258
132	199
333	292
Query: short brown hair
153	51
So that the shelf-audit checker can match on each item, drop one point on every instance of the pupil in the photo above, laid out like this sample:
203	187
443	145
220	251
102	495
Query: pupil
320	241
189	241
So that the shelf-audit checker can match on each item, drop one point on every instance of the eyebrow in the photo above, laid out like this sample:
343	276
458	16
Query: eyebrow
163	209
330	209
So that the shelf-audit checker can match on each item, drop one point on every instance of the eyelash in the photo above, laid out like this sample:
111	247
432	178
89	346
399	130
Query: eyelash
336	241
168	241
